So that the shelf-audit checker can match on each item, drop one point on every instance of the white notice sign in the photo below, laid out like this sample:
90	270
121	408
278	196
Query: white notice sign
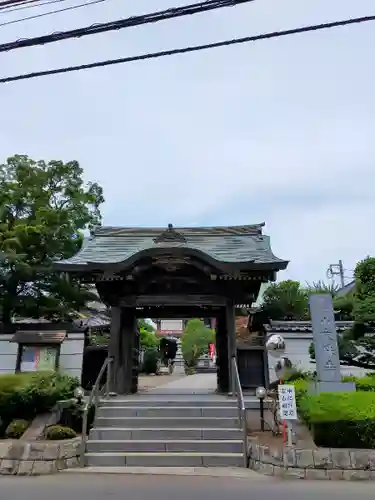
287	402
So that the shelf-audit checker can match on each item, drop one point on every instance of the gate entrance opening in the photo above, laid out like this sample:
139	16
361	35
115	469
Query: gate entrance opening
201	272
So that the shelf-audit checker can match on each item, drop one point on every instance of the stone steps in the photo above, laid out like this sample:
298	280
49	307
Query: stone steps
121	433
160	431
182	459
161	446
167	422
158	400
162	412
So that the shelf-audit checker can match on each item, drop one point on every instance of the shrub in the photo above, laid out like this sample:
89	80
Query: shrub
72	416
301	387
366	384
16	429
295	373
27	394
57	432
150	360
189	370
340	420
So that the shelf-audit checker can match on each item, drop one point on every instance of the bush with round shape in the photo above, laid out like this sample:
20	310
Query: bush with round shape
150	361
16	429
59	432
340	420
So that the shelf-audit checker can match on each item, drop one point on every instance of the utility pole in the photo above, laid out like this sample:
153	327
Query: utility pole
336	270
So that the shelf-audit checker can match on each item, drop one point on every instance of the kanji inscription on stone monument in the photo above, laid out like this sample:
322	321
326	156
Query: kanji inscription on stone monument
325	343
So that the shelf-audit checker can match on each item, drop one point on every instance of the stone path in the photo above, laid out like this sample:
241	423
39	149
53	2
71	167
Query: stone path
147	382
191	384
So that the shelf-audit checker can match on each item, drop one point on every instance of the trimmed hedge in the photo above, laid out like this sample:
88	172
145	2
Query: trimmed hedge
57	432
25	395
16	429
340	420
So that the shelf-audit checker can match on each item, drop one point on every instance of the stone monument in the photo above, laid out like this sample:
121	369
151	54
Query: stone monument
326	346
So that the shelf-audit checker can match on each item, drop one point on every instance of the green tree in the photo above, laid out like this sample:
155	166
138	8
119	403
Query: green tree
195	341
44	209
148	338
356	348
286	301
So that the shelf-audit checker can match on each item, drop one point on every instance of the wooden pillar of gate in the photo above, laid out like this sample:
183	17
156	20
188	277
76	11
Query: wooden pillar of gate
230	319
222	368
124	350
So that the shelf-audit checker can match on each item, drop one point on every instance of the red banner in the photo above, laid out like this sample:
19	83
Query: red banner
211	350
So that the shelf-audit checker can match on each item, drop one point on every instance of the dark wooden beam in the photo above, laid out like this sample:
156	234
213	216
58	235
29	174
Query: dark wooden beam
172	300
178	312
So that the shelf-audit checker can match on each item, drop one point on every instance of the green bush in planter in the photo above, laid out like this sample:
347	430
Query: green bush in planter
16	429
58	432
340	420
365	384
150	360
45	389
25	395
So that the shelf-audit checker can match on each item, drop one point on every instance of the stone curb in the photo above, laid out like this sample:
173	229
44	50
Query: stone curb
321	463
172	471
36	458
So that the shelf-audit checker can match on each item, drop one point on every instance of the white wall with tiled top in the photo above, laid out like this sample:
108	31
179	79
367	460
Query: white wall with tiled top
71	354
8	354
297	350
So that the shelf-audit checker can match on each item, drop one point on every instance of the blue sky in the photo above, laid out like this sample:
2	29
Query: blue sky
280	131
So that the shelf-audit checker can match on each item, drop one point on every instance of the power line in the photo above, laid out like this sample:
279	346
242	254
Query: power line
25	5
49	13
12	3
195	48
152	17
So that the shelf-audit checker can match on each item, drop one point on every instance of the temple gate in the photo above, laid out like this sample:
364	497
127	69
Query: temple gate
201	272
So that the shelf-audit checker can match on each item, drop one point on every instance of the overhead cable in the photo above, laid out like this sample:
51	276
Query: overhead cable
5	4
49	13
25	5
129	22
195	48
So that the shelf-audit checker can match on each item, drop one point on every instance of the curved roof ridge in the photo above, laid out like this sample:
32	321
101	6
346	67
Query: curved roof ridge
194	230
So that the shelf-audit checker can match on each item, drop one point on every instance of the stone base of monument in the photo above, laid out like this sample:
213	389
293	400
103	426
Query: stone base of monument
317	387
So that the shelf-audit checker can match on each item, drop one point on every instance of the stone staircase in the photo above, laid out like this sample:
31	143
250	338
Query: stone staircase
152	431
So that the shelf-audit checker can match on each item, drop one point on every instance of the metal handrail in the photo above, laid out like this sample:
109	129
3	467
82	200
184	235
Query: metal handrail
94	396
241	409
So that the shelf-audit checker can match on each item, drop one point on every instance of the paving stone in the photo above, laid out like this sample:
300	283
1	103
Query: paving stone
9	466
279	471
42	467
322	458
316	474
25	468
360	459
290	459
341	459
294	473
4	448
265	454
371	460
266	469
304	459
70	463
356	475
36	450
51	452
335	474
